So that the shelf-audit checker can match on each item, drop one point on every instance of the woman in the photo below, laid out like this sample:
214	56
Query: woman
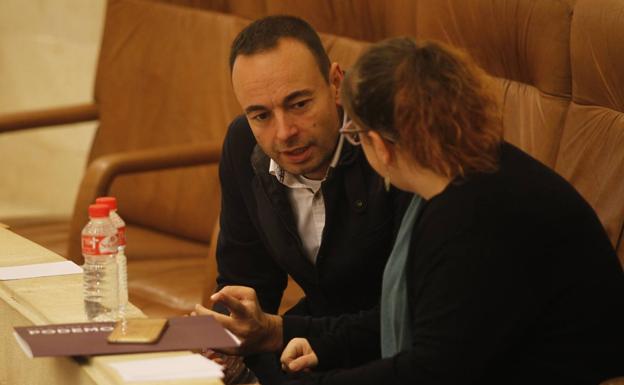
501	274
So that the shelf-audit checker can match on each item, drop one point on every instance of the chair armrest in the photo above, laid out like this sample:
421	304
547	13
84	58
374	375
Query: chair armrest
102	171
210	283
48	117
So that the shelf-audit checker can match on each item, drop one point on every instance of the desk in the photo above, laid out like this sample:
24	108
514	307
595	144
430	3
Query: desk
47	300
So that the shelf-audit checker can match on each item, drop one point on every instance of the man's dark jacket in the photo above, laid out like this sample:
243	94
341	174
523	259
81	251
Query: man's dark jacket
259	243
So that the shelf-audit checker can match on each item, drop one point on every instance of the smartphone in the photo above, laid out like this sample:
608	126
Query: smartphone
138	331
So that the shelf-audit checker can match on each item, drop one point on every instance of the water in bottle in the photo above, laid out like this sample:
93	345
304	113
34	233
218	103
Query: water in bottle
122	269
99	246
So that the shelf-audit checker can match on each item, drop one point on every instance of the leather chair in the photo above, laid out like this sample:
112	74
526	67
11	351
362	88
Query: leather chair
591	154
366	20
163	101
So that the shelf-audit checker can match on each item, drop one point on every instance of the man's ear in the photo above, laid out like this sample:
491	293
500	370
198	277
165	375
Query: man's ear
335	80
383	149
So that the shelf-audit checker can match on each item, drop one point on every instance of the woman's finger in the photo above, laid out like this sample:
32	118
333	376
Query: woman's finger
306	361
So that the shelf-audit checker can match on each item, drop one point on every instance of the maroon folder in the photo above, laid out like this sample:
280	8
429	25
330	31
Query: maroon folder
89	339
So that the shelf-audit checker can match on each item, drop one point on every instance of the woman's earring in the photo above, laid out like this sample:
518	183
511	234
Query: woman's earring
387	182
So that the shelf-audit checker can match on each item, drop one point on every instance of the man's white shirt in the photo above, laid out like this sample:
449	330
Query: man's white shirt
306	199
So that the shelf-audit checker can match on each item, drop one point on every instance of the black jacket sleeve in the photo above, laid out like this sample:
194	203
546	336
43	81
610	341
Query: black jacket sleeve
468	303
242	257
344	341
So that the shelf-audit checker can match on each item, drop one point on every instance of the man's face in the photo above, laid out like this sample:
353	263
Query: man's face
290	107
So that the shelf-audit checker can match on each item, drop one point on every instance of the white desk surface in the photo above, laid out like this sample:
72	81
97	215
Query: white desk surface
46	300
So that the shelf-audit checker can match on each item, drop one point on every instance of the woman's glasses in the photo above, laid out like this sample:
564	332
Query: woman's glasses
352	133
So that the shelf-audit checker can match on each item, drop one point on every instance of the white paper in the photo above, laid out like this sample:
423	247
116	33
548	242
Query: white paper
168	368
39	270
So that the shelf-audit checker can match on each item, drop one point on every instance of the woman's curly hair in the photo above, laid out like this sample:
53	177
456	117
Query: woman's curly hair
432	99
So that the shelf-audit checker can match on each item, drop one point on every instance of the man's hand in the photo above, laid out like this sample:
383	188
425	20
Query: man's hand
258	331
298	355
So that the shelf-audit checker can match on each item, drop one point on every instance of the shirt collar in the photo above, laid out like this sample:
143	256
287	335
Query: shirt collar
291	180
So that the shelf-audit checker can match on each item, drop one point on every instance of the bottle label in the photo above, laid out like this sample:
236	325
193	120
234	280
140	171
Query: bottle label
121	236
98	244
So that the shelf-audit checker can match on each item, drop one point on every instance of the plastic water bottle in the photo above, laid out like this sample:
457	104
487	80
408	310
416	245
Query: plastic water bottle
99	245
122	264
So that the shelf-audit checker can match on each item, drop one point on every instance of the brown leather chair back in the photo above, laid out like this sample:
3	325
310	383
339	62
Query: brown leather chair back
524	46
156	87
591	154
368	20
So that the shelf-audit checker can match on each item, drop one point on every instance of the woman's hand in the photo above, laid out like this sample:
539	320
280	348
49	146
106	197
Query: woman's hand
298	355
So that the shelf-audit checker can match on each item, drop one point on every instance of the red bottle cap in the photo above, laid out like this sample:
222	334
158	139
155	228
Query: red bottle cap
99	211
109	201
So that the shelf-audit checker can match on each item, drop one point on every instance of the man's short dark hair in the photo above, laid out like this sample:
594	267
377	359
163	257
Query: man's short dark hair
264	34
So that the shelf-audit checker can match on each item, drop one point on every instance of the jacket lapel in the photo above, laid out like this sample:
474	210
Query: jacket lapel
277	221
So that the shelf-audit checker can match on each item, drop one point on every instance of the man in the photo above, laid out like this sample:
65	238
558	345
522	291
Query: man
296	198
